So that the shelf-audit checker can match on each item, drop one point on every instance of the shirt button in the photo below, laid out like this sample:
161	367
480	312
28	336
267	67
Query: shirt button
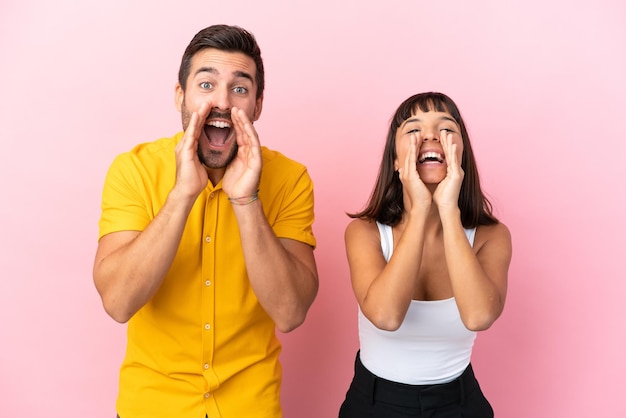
206	395
208	283
208	239
212	195
207	326
206	367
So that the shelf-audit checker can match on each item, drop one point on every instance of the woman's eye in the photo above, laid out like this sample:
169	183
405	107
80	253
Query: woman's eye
240	90
447	130
414	131
205	85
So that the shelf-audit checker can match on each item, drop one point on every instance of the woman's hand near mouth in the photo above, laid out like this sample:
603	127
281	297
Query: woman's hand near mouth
446	195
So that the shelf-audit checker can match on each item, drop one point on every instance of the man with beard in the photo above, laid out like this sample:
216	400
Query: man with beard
206	247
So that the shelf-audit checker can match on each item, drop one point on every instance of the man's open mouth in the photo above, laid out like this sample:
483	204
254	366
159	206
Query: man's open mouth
217	132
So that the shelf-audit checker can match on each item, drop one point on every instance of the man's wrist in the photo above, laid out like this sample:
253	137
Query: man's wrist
244	200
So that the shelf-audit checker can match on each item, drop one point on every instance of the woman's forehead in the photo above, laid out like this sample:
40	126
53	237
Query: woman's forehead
429	105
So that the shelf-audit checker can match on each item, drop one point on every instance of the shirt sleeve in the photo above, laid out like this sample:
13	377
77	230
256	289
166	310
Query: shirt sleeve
124	207
297	216
287	194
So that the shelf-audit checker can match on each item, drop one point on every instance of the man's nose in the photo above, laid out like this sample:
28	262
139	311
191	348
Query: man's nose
221	99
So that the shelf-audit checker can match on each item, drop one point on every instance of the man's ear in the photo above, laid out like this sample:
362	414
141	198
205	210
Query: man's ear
179	96
258	108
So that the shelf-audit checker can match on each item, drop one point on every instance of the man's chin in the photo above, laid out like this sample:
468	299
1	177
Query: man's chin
217	159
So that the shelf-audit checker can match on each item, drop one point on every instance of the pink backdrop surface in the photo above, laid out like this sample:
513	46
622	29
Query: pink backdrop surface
541	87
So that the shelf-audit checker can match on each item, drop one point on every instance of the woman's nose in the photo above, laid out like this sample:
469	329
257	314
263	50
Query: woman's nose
430	135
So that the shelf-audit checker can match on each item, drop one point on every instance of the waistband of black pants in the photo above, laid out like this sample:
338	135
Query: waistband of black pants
424	396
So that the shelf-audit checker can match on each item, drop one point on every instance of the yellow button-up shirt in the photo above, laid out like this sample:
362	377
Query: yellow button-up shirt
203	344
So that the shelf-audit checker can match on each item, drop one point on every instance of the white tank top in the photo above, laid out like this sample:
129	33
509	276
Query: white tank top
431	346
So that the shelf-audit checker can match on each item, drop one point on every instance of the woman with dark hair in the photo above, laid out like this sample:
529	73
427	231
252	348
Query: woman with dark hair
428	263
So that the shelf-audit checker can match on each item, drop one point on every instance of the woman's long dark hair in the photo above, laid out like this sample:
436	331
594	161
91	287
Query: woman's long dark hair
386	204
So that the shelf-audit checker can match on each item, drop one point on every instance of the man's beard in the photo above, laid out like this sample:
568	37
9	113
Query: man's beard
215	159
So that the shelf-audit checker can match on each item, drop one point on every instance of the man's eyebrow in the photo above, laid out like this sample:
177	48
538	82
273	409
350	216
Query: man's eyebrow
213	70
243	74
210	70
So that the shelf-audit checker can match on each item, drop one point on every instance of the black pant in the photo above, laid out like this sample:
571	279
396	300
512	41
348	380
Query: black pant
370	396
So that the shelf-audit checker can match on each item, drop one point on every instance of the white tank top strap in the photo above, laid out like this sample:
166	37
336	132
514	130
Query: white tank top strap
386	240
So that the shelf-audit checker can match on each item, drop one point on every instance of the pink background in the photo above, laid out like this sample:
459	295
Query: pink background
540	84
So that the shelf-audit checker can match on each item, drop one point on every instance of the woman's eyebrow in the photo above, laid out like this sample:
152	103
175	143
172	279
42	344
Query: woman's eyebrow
448	118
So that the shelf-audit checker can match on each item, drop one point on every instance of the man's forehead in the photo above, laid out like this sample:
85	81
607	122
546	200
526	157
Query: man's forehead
222	62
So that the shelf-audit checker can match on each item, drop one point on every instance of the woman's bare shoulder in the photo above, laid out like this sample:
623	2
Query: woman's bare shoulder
360	228
359	225
497	229
492	234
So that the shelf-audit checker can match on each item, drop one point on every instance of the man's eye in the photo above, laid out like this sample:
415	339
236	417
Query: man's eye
240	90
205	85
